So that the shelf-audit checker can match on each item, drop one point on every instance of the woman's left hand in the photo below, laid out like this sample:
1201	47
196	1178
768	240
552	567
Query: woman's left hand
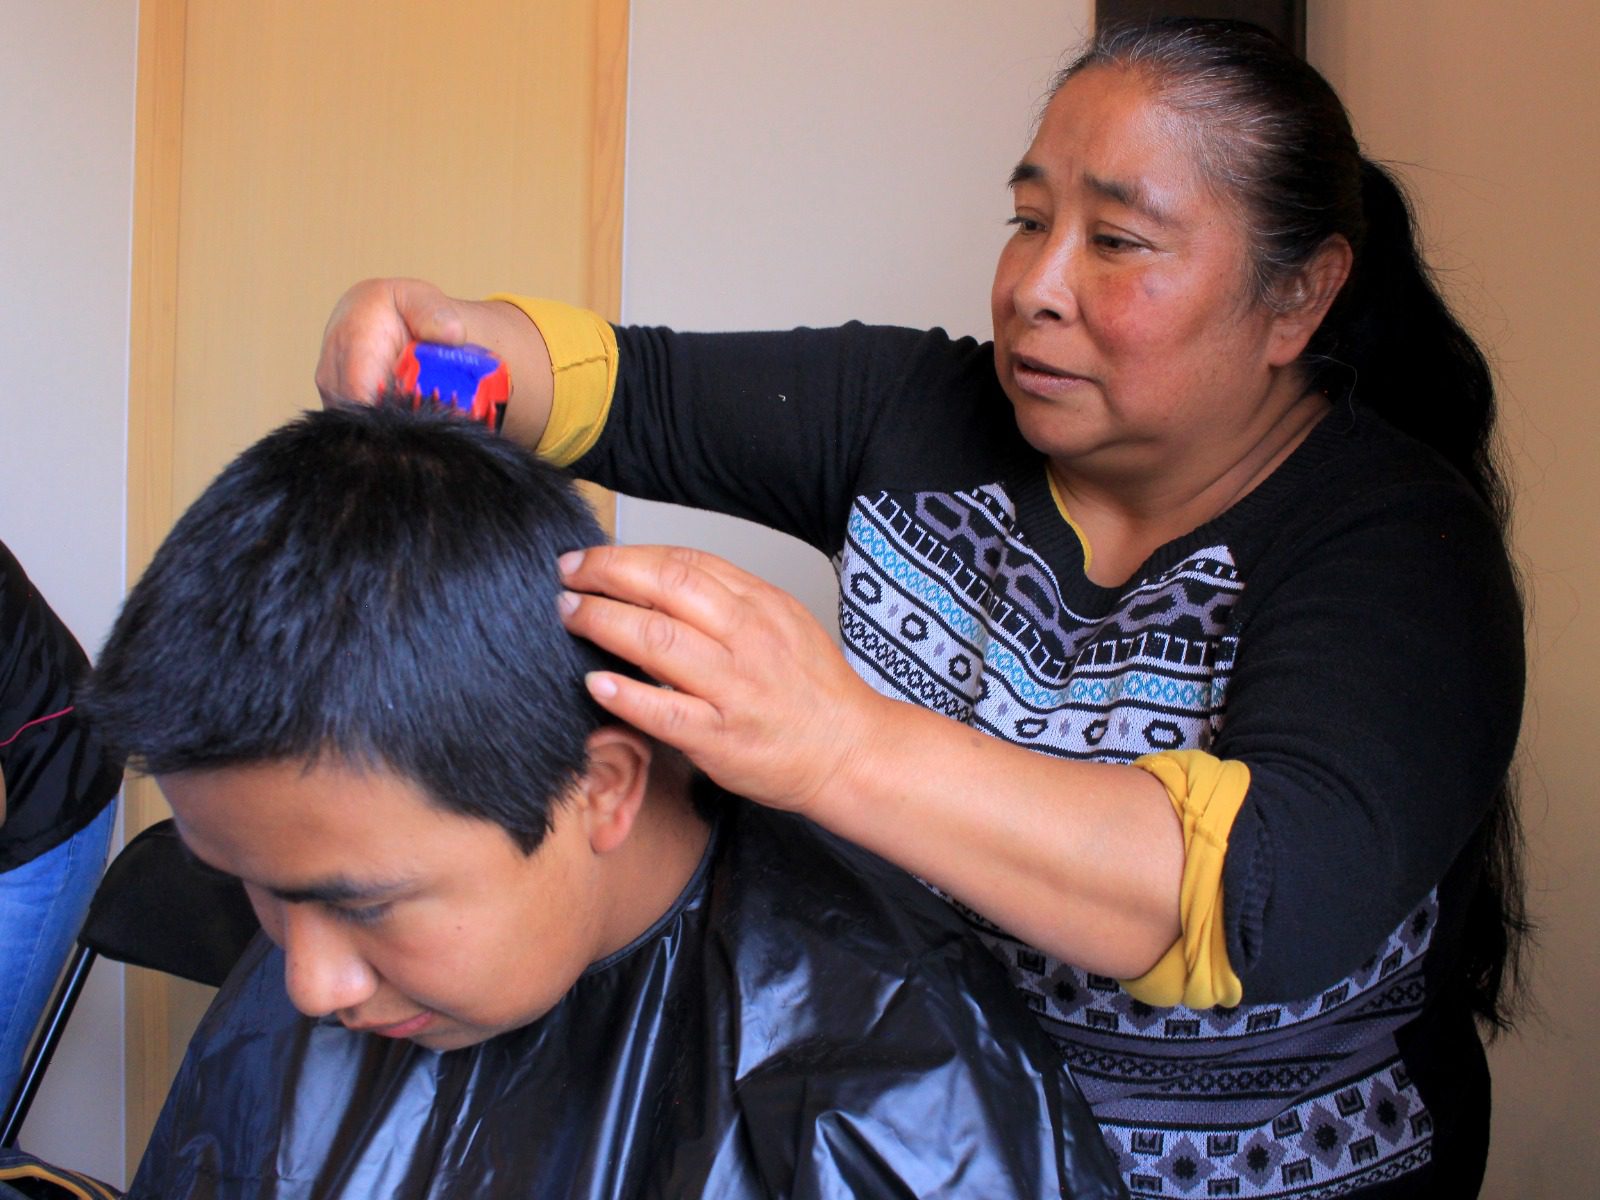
1082	859
758	696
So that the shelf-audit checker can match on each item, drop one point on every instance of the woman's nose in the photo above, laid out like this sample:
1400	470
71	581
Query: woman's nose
1046	285
323	971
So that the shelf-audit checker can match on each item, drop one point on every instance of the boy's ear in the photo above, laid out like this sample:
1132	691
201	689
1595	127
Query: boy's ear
612	789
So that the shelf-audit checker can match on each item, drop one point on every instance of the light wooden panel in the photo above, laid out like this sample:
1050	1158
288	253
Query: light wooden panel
158	158
327	142
288	149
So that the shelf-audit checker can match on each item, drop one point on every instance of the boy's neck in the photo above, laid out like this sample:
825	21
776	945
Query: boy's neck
651	869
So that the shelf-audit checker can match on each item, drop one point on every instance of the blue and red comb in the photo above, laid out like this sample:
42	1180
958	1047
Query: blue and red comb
468	379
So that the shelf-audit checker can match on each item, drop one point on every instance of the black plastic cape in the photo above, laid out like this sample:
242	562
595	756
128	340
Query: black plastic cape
805	1021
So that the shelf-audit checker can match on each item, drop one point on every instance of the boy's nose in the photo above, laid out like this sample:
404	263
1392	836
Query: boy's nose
323	972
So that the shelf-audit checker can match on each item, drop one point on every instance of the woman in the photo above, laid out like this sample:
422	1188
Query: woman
57	787
1208	543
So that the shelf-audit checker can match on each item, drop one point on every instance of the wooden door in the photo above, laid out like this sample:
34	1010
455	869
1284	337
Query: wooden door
286	149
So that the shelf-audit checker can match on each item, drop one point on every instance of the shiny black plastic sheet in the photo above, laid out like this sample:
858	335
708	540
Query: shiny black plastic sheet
805	1022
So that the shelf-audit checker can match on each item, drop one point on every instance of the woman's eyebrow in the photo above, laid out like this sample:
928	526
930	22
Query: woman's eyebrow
1129	193
1025	172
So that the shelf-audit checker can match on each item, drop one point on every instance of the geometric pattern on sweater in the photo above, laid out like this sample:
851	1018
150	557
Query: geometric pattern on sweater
1314	1101
985	645
1335	1141
944	603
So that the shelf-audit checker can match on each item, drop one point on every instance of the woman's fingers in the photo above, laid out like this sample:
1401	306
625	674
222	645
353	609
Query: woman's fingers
370	326
759	696
692	585
674	718
660	644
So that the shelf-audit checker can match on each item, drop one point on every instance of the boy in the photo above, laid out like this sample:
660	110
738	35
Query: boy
515	948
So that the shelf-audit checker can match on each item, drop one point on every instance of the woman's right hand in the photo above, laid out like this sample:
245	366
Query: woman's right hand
374	320
371	325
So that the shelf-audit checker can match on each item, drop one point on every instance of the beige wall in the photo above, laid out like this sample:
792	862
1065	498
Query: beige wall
1492	111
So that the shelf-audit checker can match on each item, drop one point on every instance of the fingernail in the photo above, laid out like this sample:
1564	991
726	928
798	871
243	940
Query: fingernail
568	562
601	687
567	603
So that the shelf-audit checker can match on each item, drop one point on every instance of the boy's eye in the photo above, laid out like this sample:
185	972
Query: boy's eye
368	914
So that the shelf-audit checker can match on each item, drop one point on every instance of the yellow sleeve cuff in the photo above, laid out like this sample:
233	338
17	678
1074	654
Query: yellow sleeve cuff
1206	793
583	359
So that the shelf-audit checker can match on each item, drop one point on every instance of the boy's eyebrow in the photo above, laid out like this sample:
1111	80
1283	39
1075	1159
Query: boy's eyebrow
337	890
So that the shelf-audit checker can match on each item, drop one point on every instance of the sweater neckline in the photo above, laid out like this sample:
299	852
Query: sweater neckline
1057	538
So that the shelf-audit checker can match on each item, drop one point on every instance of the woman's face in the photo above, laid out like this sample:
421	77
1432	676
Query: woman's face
1126	336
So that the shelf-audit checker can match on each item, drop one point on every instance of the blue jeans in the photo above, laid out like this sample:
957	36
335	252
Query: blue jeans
42	905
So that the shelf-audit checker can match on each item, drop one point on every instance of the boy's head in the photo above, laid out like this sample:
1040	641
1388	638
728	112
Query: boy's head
346	670
373	586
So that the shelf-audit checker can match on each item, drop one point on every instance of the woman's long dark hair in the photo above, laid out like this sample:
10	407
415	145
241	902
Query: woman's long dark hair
1273	137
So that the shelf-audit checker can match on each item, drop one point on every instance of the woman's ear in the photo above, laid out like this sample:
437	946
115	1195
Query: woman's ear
613	786
1305	300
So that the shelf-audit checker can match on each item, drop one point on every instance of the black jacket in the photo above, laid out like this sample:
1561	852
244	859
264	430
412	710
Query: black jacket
58	773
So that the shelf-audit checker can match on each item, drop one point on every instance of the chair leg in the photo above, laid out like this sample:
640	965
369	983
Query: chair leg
44	1045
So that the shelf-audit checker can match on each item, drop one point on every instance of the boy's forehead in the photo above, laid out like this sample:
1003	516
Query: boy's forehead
320	830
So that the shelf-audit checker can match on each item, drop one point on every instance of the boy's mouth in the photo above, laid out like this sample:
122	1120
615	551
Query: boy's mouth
410	1027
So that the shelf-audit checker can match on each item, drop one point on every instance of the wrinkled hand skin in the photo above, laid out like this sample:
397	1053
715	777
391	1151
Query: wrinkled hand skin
758	696
370	326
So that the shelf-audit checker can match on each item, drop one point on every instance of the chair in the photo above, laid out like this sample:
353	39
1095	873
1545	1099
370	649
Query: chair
156	907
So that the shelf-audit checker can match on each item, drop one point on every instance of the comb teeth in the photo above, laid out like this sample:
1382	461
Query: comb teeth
468	379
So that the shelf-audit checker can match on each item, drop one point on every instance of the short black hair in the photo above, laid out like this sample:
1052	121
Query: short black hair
373	585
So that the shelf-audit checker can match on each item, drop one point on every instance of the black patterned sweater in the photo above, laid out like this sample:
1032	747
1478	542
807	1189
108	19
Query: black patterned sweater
1349	630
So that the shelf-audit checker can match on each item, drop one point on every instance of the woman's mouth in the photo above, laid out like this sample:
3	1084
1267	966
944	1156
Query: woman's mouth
1036	375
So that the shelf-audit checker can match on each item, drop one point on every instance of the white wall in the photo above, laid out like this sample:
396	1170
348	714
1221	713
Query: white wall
66	193
806	164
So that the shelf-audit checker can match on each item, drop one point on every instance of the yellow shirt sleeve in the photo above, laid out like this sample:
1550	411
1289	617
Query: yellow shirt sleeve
583	357
1206	793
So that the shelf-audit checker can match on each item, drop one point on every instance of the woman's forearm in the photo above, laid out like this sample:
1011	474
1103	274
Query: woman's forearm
505	329
1082	860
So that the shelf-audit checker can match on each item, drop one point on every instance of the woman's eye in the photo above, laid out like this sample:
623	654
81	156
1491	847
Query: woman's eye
1115	244
1025	224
